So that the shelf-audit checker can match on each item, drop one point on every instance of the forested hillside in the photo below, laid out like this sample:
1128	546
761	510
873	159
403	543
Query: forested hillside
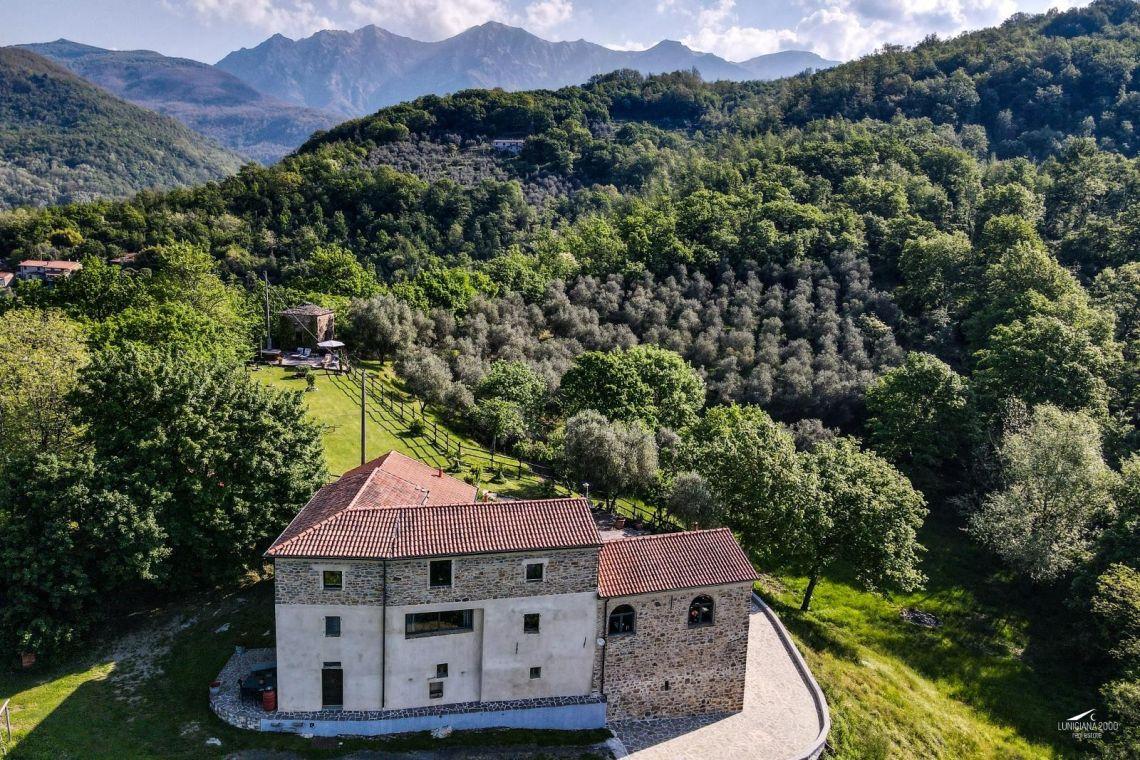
821	311
203	97
64	140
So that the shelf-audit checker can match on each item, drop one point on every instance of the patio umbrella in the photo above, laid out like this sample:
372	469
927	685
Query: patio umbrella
330	344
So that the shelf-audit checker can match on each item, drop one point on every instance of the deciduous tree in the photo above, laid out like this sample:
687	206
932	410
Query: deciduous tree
1056	491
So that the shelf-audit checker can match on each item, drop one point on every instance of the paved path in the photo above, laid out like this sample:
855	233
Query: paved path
779	720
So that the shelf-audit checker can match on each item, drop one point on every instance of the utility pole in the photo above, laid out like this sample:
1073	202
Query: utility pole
363	375
268	332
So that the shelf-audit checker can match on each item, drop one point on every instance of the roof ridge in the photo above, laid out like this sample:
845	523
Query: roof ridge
353	505
326	520
667	535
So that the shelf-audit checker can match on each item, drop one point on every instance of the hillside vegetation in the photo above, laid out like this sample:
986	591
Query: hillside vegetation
203	97
870	337
64	140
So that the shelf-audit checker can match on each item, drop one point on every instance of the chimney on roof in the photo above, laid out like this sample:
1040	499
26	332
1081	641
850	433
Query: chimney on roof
439	472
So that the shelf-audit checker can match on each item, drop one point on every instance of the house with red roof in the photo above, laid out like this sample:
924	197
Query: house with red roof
47	270
402	601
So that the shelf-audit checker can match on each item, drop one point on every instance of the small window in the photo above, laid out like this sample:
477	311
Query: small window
332	626
435	690
536	672
701	612
622	619
530	622
333	580
534	571
439	573
441	670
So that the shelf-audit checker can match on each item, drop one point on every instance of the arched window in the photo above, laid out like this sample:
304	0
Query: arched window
622	619
701	611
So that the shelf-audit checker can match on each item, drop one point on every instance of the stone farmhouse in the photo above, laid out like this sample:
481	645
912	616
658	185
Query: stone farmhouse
400	597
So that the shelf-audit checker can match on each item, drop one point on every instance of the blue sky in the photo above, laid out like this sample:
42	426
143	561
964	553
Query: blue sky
735	29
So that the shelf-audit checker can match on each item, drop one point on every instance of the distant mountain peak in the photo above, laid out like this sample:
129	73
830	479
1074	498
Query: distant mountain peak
356	73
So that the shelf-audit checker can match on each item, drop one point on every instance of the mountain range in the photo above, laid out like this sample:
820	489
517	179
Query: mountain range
63	139
203	97
356	73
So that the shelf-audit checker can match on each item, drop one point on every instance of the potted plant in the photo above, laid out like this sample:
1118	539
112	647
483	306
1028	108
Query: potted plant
619	522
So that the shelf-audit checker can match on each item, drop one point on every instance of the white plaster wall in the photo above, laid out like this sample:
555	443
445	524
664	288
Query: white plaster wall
303	648
493	662
563	648
411	662
490	663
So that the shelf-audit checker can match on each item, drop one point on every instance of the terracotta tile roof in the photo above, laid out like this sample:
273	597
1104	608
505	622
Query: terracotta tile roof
389	481
645	564
366	532
51	264
5	278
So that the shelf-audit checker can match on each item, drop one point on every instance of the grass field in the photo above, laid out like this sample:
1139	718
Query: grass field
335	402
986	683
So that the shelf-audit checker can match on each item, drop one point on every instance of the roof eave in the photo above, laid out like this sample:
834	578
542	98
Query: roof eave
678	588
378	557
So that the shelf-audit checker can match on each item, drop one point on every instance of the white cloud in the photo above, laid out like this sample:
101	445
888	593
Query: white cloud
426	19
737	43
290	17
547	14
627	45
841	29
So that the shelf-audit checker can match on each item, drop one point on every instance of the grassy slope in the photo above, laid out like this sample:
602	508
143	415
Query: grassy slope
985	684
336	403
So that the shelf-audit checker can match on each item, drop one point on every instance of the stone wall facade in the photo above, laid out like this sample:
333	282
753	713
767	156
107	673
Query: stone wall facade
299	581
474	577
666	668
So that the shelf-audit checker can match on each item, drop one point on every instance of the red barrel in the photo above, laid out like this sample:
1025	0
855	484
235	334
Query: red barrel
269	700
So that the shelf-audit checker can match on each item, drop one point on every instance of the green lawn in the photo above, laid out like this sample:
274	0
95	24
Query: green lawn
335	402
989	682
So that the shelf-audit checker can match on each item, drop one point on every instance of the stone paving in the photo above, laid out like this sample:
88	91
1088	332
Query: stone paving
780	720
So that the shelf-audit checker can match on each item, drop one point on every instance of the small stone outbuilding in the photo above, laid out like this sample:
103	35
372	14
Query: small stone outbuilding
304	326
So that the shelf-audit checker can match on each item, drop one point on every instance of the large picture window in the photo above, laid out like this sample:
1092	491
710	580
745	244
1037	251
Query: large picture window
438	623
